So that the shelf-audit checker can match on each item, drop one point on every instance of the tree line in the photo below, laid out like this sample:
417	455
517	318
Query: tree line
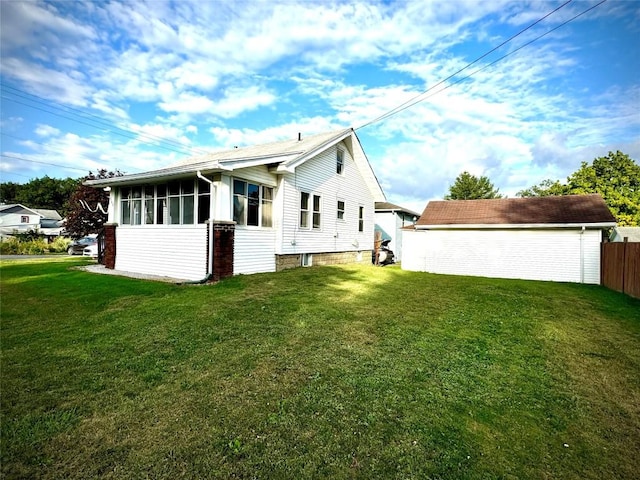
74	201
616	177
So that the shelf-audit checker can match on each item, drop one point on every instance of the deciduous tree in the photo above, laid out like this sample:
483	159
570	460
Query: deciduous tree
87	206
470	187
616	177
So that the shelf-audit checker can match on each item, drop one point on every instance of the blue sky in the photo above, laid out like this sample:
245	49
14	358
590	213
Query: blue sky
139	85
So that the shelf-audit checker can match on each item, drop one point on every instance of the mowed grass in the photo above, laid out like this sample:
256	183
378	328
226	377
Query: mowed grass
322	372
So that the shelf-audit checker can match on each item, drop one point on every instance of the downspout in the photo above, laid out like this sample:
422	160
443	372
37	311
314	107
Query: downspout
210	262
582	254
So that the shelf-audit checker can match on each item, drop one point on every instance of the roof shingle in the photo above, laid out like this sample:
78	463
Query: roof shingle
567	209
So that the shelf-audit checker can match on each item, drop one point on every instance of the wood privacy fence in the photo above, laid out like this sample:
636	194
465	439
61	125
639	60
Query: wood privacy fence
620	267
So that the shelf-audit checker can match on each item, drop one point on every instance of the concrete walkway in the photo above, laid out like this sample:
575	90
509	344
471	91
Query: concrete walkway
97	268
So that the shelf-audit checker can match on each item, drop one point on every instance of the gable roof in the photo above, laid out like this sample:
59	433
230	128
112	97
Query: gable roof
17	208
391	207
566	210
283	156
48	214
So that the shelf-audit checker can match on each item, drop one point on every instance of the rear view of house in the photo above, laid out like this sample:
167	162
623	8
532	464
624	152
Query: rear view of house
308	200
553	238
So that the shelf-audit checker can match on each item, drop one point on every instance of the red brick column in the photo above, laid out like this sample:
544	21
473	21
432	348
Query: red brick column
223	239
110	245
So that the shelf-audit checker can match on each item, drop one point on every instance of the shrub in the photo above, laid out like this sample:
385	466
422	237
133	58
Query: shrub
27	245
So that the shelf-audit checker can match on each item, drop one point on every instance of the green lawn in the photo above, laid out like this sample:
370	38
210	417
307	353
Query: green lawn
322	372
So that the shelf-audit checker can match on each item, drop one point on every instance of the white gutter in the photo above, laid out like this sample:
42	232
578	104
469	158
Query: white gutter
501	226
211	197
157	174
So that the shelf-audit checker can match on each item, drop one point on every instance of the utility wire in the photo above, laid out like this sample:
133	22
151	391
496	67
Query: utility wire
507	54
421	96
4	155
131	136
102	123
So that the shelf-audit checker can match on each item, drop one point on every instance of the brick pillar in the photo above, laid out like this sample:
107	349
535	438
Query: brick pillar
110	245
223	238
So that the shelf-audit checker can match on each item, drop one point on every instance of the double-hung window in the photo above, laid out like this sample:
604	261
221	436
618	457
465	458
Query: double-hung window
340	214
310	209
361	219
252	204
181	202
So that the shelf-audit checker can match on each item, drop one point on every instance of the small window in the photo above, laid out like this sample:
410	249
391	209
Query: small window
361	219
339	161
316	211
24	219
340	210
306	259
304	210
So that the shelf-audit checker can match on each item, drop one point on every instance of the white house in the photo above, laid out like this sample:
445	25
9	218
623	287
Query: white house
632	234
553	238
308	200
390	220
16	218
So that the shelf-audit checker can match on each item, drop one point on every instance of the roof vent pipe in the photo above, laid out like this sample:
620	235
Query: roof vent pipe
299	136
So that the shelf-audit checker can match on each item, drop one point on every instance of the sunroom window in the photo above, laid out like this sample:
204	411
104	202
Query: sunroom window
252	204
173	203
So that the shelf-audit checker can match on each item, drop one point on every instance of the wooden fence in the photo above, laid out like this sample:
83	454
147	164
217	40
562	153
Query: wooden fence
620	267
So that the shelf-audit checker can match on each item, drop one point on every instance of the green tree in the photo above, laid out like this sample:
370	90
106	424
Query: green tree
9	192
616	177
45	192
87	206
470	187
543	189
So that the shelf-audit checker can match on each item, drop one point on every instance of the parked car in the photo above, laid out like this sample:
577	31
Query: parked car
91	251
77	246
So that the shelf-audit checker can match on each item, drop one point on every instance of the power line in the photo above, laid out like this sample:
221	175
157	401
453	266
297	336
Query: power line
421	96
4	155
101	123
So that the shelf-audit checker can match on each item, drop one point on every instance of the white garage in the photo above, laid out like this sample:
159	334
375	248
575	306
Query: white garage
553	238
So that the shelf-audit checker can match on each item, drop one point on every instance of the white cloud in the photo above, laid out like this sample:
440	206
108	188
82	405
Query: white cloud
46	131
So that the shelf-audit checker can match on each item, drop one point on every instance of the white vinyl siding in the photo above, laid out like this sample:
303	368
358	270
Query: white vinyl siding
254	250
318	177
561	255
170	251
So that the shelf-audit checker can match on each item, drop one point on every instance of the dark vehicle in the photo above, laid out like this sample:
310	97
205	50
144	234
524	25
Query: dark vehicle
78	246
385	254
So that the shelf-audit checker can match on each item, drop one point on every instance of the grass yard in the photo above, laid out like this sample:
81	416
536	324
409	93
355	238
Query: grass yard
322	372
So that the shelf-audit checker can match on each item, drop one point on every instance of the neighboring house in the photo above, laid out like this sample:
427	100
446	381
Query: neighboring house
632	234
16	218
51	223
553	238
309	200
390	220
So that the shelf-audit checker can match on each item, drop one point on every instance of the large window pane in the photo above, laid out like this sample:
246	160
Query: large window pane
238	209
204	208
253	204
148	211
267	202
161	211
174	210
187	209
126	212
137	212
